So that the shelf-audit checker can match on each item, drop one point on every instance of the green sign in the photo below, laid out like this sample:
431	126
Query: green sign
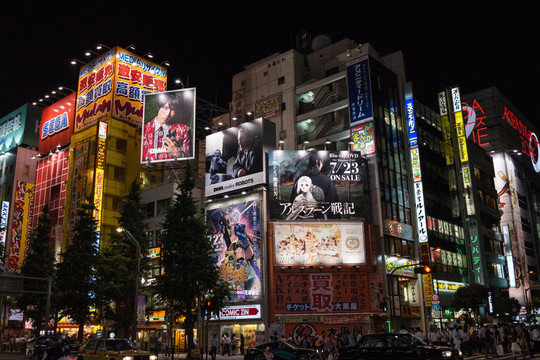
448	313
20	126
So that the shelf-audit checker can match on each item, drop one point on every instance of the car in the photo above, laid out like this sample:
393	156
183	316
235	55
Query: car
282	350
112	349
41	344
397	346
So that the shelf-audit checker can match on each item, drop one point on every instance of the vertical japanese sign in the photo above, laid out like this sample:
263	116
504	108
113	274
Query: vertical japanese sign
3	222
100	173
462	147
22	215
477	261
359	91
415	166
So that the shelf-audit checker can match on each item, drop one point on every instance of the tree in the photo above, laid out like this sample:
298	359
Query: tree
507	307
39	262
470	298
76	278
116	270
187	258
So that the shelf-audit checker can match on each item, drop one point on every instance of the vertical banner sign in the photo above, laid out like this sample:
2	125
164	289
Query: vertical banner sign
22	215
100	173
508	254
415	166
463	154
3	222
141	307
359	91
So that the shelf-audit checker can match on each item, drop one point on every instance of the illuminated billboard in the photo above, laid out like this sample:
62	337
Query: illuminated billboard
19	127
359	91
318	244
321	292
235	233
363	138
114	84
100	173
169	126
57	124
308	185
23	208
268	107
235	156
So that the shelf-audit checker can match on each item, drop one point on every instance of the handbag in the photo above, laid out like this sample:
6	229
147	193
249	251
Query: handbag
499	350
515	347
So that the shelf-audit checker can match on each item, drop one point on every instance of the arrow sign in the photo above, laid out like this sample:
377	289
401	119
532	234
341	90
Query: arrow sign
240	312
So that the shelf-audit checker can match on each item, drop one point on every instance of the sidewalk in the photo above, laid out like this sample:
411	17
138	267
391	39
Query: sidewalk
183	355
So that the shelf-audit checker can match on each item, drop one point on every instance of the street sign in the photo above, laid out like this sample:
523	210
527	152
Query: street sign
436	307
435	298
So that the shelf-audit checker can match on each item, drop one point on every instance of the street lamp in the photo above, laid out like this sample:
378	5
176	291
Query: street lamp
137	279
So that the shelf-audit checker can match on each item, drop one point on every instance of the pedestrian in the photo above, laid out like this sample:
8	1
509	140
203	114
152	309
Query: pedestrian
434	337
526	341
490	342
213	346
536	338
242	343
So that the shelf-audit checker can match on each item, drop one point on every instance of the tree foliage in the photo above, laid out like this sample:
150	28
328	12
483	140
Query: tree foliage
116	270
470	298
187	258
39	263
76	277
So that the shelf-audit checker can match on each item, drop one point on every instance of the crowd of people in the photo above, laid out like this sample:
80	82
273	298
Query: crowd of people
488	339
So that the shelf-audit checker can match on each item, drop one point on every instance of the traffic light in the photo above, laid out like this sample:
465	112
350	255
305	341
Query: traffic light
383	305
423	270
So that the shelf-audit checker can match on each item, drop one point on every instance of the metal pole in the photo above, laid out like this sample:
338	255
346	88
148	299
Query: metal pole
137	280
48	305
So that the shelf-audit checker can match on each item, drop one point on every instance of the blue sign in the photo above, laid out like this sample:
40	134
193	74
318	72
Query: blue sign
411	122
359	88
436	307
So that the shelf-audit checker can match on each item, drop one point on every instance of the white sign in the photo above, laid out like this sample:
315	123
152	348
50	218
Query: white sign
240	312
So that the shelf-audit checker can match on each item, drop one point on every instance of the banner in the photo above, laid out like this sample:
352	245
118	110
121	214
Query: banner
359	91
319	244
21	225
317	185
169	126
235	233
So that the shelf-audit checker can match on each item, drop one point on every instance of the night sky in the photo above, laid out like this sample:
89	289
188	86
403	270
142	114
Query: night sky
473	44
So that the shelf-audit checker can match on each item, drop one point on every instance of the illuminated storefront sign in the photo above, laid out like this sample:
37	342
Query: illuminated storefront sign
318	244
363	138
393	266
114	85
3	222
428	289
56	124
100	173
325	293
508	255
268	107
235	234
23	209
239	312
19	126
359	91
316	185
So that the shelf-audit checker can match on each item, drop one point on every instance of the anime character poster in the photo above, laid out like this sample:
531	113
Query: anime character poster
235	233
317	185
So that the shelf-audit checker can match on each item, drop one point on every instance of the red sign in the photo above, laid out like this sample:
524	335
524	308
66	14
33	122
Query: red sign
57	124
241	312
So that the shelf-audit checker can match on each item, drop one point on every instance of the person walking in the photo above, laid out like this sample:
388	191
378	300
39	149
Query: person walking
213	346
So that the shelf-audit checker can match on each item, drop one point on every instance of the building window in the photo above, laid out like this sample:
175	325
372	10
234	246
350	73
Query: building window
150	208
116	203
283	106
119	173
162	206
243	83
281	80
26	169
265	73
121	145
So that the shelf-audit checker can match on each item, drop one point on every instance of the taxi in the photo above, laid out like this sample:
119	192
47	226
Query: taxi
112	349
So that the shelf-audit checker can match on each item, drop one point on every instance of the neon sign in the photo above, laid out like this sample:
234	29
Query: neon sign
529	140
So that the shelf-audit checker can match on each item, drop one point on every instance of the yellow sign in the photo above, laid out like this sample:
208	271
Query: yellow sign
100	173
428	288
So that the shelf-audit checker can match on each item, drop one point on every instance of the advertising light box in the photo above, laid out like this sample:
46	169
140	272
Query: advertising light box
57	124
235	234
114	85
359	91
235	156
311	185
318	244
19	126
169	126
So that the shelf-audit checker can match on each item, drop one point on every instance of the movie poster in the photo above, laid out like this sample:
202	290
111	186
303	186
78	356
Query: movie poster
235	233
317	185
